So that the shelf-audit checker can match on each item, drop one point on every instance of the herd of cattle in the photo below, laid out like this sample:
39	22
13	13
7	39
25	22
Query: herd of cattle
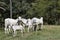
21	23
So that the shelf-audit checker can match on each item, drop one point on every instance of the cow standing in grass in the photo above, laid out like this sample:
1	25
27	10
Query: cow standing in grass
10	22
37	22
17	27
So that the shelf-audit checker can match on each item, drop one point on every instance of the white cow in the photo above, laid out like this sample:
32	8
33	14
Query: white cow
10	22
36	21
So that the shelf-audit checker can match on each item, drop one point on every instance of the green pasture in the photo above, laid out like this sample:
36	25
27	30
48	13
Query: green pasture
49	32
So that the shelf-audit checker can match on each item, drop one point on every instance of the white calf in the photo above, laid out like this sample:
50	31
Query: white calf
18	27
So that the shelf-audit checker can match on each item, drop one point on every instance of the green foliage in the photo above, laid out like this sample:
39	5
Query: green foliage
49	9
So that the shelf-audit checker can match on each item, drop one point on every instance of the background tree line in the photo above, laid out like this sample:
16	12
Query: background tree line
49	9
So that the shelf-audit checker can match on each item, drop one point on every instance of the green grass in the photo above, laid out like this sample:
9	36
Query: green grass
49	32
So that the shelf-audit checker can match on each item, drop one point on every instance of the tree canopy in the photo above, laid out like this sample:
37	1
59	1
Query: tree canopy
49	9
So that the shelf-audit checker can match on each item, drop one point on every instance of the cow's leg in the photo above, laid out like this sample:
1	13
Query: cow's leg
33	28
6	31
5	28
28	28
36	27
14	33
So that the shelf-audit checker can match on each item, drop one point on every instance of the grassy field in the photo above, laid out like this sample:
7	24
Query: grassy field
49	32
